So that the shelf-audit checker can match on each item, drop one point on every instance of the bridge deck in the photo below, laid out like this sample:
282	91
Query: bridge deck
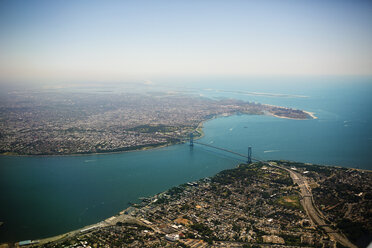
224	149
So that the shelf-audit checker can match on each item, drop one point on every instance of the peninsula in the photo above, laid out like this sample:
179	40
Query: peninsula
64	123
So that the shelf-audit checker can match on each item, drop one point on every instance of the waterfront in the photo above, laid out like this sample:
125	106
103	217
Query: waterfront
50	195
45	196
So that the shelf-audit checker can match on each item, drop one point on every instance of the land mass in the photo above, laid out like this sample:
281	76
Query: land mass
264	204
64	123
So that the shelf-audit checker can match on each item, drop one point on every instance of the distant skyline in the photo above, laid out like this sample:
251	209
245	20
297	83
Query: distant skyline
113	41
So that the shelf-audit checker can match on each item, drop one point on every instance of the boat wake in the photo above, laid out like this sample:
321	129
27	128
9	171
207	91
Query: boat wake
271	151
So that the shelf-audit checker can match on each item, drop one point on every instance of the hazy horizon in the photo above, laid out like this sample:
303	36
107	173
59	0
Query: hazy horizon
54	42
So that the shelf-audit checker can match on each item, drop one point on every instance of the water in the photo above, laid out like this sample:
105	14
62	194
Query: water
341	136
44	196
51	195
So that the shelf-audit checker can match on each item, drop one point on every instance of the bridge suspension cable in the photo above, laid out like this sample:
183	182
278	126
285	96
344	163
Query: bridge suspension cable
248	156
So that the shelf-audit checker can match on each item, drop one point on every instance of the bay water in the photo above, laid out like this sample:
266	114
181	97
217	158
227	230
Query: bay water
50	195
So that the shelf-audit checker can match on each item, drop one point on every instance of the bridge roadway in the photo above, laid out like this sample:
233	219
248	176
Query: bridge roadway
307	199
223	149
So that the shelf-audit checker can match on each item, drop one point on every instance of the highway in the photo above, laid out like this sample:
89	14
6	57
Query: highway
315	215
307	201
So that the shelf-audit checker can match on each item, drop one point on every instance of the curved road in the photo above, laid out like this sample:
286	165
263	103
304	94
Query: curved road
311	210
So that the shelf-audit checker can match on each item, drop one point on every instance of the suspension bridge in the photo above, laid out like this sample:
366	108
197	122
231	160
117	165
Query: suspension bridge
307	202
247	156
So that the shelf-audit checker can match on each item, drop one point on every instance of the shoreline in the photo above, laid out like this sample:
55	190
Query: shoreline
283	117
198	129
126	217
312	114
89	153
123	216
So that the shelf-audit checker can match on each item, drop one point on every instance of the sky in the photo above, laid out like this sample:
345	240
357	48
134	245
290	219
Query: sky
75	41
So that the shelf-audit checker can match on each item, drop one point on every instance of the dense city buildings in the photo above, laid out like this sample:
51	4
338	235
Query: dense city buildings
258	205
50	123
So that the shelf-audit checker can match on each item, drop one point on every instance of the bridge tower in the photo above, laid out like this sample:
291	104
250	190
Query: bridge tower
249	161
191	139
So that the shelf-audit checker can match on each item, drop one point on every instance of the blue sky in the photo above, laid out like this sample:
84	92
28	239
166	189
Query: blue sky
61	41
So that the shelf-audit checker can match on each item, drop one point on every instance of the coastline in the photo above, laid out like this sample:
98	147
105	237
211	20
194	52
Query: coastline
198	129
91	153
121	216
125	215
312	114
282	117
